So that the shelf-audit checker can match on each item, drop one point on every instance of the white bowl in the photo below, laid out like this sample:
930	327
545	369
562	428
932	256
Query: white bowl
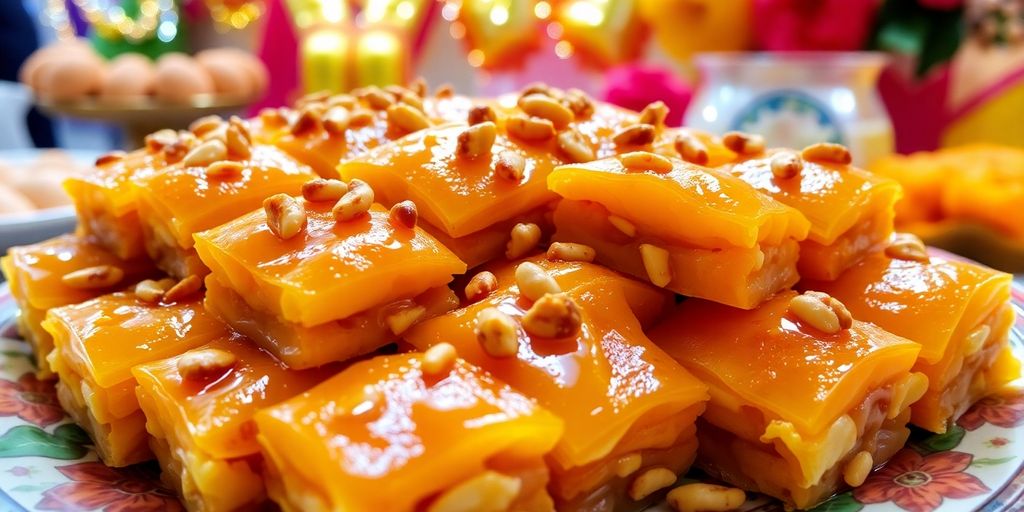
32	227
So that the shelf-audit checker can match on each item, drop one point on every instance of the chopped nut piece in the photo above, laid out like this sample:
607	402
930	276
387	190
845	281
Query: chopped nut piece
705	498
184	289
396	90
109	158
313	97
524	237
546	107
360	117
626	227
205	124
743	143
91	278
656	263
355	202
635	135
151	291
654	114
480	286
206	154
403	215
530	129
286	217
905	392
376	98
533	282
224	170
628	464
537	88
821	311
444	91
691	149
476	140
858	469
786	164
419	86
488	491
345	101
412	100
553	316
480	114
905	246
308	121
571	252
336	120
574	146
272	118
160	139
322	189
580	104
650	481
176	151
639	161
401	320
827	152
439	358
205	364
510	166
497	333
406	119
242	126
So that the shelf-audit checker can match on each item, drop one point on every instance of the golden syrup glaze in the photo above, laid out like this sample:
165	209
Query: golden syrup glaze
390	435
114	180
332	269
780	365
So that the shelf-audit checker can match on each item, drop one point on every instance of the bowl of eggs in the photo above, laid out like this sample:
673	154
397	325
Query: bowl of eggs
33	205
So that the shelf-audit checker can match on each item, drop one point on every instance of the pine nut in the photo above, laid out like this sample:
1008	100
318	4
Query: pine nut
628	464
92	278
313	97
480	286
376	98
975	341
205	124
786	164
407	119
176	151
533	282
184	289
654	114
574	146
905	246
286	217
537	88
412	100
858	468
403	215
579	102
360	117
308	121
510	166
438	358
242	126
651	481
639	161
401	320
546	107
905	392
827	152
323	190
224	170
497	333
705	498
419	86
691	149
481	114
272	118
656	263
523	239
355	202
396	90
553	316
150	291
109	158
160	139
205	364
821	311
488	491
635	135
743	143
237	144
530	129
336	120
476	140
345	101
571	252
626	227
206	154
444	91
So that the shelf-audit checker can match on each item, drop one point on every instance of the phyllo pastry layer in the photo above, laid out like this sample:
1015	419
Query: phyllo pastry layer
959	312
60	271
628	408
200	409
98	342
408	432
850	210
336	290
697	231
802	399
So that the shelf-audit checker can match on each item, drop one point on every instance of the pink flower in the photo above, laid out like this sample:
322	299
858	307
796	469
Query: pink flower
634	87
95	486
919	484
30	399
1005	409
794	25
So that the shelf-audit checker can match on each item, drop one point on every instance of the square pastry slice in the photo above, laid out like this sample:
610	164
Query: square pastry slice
803	401
697	231
629	409
200	408
98	342
206	191
412	432
60	271
850	210
959	312
336	290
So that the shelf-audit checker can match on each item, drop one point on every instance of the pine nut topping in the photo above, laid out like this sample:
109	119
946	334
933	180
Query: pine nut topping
355	202
858	469
635	135
626	227
530	129
376	98
403	215
177	150
184	289
497	333
656	263
360	117
510	166
345	101
444	91
480	286
488	491
438	358
523	239
401	320
406	119
786	164
905	392
272	118
395	90
323	190
976	339
205	364
546	107
908	247
691	148
571	252
701	497
481	114
553	316
654	114
574	146
827	152
579	102
92	278
476	140
160	139
205	124
419	86
628	464
650	481
308	121
286	217
534	282
537	88
205	154
151	291
639	161
109	158
242	126
743	143
821	311
237	143
313	97
224	170
412	100
336	120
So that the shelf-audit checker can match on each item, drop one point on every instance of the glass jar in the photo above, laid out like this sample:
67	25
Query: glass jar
795	99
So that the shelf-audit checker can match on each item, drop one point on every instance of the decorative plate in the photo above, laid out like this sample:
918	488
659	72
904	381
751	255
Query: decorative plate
46	462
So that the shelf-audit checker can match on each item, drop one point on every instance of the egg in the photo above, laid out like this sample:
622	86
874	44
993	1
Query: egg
253	67
12	201
179	78
130	77
31	70
71	77
44	190
230	77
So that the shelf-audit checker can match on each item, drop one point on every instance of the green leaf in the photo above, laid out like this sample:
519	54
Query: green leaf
941	442
991	462
14	353
905	35
31	441
33	487
841	503
72	433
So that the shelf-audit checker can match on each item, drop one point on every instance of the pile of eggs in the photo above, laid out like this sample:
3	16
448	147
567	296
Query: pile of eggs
26	187
70	71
